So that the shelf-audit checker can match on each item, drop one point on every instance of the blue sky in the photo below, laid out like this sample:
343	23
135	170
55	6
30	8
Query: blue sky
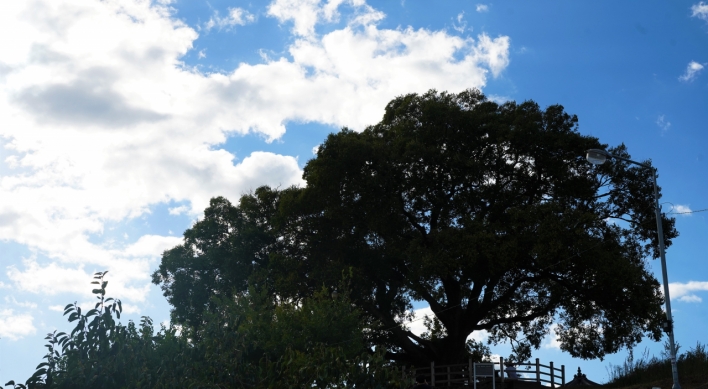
119	119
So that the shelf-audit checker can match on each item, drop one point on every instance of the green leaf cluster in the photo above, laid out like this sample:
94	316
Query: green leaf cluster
253	341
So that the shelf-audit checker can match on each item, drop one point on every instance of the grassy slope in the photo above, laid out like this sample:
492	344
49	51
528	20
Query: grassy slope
687	382
651	372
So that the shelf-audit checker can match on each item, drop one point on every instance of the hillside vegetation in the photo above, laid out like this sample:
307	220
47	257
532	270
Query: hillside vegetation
648	372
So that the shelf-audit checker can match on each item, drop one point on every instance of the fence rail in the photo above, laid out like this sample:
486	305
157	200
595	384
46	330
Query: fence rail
461	374
544	374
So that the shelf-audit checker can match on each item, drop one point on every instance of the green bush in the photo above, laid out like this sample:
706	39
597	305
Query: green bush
250	341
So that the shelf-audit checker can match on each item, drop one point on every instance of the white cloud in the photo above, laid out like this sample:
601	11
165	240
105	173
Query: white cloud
151	246
23	304
499	99
479	336
50	279
683	210
128	268
234	17
461	25
306	14
692	71
690	298
700	11
129	309
15	326
552	341
103	121
663	123
494	53
303	14
178	210
482	8
685	291
417	325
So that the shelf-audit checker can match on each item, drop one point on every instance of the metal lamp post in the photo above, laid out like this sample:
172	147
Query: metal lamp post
598	157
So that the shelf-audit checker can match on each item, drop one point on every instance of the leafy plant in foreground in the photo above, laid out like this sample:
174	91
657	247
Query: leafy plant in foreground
100	353
249	341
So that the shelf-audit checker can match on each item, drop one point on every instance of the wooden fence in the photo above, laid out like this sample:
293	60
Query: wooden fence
460	374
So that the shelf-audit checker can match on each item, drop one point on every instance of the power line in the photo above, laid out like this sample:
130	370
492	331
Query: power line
683	213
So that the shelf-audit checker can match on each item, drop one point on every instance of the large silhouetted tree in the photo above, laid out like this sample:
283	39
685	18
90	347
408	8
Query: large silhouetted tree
487	212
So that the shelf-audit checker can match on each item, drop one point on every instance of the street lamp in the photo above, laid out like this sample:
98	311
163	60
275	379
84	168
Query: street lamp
598	157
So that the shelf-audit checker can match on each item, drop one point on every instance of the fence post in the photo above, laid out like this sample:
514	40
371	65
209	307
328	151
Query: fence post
432	373
553	375
469	372
538	371
501	368
563	375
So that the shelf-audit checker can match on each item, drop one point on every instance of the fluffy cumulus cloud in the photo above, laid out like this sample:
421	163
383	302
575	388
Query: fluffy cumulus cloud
129	268
692	71
683	210
686	292
306	14
700	11
14	326
102	120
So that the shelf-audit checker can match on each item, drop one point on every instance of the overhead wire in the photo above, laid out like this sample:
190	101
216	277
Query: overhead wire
687	212
683	212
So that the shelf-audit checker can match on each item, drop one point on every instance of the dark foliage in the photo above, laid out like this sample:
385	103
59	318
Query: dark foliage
250	342
487	212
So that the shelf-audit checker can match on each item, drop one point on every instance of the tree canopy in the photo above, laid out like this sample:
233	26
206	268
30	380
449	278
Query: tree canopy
488	212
